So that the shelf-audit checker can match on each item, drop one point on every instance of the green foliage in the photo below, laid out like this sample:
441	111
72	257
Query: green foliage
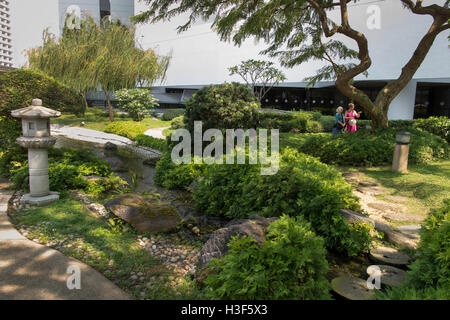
10	130
19	87
224	106
129	129
300	121
105	184
439	126
171	114
137	102
429	275
151	142
173	176
96	55
67	167
302	187
290	264
261	76
364	148
177	123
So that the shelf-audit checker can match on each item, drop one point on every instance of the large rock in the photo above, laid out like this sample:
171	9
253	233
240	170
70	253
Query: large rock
145	215
217	245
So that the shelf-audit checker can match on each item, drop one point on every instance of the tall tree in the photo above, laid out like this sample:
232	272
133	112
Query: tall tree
300	30
260	76
98	55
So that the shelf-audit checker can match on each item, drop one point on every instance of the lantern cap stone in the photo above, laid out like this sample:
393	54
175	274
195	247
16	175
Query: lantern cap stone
35	111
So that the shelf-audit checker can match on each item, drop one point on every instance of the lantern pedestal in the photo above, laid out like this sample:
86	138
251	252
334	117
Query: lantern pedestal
37	139
39	201
401	152
400	162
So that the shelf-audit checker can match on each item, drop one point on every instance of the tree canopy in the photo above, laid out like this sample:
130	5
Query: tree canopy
260	76
98	55
298	31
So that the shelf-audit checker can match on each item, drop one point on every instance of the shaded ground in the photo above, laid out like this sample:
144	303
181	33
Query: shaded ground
30	271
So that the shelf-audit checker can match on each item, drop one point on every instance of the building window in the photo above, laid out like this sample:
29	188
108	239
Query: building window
105	8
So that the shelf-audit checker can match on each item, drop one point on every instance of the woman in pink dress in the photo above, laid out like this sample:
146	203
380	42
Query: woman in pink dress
351	114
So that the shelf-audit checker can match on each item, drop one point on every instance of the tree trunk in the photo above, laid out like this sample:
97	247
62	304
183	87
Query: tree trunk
86	105
108	100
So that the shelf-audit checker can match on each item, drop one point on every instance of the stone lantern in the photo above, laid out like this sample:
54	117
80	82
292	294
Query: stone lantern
36	138
401	151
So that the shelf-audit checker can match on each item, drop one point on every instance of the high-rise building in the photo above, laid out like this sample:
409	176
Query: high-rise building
98	9
6	52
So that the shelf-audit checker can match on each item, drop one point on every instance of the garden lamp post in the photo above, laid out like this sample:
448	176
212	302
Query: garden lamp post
36	138
401	152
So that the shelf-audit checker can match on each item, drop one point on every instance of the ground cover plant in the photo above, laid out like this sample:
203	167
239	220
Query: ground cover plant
67	171
290	264
429	275
105	245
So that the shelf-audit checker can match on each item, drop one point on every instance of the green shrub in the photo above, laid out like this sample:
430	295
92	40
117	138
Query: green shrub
105	184
19	87
151	142
171	114
67	167
364	148
429	275
129	129
327	123
224	106
177	123
300	121
173	176
302	187
290	264
439	126
137	102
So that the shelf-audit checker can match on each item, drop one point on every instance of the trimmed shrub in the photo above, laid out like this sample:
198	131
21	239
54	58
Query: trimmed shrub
224	106
170	114
177	123
290	264
302	187
129	129
429	275
364	148
300	121
151	142
439	126
19	87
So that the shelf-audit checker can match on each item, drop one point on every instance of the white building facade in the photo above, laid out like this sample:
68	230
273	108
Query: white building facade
6	46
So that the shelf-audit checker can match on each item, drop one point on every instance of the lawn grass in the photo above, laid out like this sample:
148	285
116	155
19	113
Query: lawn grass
424	186
67	226
97	119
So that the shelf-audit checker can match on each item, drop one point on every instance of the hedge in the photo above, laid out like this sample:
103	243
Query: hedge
170	114
365	148
129	129
19	87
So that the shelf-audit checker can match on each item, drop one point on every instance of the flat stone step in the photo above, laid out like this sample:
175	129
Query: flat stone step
397	238
391	276
390	256
413	229
352	288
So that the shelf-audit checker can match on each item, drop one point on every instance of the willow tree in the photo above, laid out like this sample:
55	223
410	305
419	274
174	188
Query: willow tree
300	30
98	55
